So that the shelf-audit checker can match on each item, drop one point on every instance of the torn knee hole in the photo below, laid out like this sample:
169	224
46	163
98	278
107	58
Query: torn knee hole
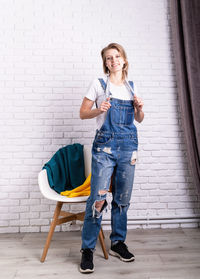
99	205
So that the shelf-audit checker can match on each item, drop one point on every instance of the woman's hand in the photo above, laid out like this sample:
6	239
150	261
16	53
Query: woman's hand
86	111
138	103
105	105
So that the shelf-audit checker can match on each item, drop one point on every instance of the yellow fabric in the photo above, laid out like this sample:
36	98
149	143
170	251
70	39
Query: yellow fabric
82	190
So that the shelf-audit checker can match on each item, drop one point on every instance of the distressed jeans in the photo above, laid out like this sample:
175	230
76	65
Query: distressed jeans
111	158
114	152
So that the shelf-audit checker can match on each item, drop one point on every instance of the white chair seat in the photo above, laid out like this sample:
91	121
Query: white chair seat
50	194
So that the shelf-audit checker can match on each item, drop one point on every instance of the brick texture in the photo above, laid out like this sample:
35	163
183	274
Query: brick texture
49	53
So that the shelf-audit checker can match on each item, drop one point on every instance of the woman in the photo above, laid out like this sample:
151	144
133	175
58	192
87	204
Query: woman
114	152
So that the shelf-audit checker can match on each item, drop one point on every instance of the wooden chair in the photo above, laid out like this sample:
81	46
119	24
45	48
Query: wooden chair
65	216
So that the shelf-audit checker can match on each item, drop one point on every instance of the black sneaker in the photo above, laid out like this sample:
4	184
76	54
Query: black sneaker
87	265
121	250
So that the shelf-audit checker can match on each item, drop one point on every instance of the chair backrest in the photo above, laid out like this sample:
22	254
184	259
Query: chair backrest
50	193
87	159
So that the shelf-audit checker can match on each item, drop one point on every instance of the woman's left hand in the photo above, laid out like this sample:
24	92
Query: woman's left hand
138	103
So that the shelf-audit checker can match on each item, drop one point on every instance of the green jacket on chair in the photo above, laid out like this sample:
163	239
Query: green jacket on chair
65	170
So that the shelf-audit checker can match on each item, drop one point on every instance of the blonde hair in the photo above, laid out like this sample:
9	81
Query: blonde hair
121	50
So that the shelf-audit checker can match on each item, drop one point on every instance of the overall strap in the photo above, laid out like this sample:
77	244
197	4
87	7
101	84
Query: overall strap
131	85
103	84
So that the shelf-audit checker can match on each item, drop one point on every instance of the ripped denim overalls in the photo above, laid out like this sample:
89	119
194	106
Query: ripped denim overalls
114	152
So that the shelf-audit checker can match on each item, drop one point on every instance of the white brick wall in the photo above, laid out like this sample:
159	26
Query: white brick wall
49	53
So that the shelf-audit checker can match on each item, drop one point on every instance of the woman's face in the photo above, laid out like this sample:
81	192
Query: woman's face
114	60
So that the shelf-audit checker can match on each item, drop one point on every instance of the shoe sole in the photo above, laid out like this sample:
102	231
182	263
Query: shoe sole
86	270
115	254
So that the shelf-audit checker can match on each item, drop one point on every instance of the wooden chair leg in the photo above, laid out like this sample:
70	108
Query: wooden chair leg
101	239
51	230
102	233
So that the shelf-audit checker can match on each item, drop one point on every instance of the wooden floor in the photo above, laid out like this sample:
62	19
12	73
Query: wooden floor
169	253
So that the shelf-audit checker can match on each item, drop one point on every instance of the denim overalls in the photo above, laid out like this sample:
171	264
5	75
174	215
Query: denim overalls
114	152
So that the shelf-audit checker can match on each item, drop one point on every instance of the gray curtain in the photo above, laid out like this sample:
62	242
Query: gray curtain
185	22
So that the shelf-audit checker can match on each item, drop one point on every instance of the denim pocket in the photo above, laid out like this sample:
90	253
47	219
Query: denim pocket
130	144
102	138
122	116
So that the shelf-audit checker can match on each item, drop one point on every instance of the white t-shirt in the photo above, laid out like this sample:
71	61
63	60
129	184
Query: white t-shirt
96	93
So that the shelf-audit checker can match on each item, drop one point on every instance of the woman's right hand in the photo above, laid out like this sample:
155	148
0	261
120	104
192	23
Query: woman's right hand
105	105
86	111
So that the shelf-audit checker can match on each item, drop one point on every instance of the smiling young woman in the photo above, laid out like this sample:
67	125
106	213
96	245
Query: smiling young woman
114	153
115	59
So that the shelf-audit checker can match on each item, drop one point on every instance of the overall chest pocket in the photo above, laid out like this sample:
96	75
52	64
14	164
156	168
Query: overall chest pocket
122	116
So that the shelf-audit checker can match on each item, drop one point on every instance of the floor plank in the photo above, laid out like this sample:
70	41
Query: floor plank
160	254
